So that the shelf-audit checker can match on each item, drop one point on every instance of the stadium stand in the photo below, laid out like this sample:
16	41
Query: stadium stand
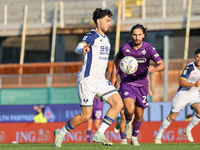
78	20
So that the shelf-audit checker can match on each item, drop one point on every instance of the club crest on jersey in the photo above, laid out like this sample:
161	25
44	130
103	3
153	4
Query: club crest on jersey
144	52
85	100
85	37
126	93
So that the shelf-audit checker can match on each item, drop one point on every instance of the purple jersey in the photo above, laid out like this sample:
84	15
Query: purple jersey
97	112
143	55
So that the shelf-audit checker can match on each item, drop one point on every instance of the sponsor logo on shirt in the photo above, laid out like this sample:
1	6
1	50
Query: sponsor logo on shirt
127	50
103	58
184	72
141	60
156	55
144	52
101	40
85	37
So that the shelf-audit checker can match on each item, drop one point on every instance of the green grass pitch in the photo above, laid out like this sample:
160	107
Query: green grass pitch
97	146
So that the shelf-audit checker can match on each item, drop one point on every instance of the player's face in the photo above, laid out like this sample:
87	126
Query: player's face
104	24
197	59
137	36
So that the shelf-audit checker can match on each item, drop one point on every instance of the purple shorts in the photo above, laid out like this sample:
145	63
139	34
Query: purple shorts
139	94
97	111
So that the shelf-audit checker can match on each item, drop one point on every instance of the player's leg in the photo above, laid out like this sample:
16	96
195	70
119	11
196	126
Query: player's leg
107	92
128	126
97	123
89	130
129	107
86	98
116	105
195	120
136	125
179	102
141	102
165	124
59	134
122	127
98	115
117	125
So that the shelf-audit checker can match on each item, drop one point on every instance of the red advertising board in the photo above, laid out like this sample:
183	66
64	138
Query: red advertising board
43	133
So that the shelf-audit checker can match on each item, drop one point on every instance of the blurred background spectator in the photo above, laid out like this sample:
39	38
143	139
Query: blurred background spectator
39	115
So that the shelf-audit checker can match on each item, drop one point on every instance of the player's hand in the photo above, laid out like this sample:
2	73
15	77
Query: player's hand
117	85
151	69
86	48
197	84
150	92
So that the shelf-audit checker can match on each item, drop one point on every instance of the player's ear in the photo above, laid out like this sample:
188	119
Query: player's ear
143	36
131	36
98	21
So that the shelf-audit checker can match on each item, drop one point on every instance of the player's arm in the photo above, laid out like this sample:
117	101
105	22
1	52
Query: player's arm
114	68
183	82
160	65
82	48
149	86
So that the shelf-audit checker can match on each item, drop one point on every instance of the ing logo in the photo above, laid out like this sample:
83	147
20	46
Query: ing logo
43	135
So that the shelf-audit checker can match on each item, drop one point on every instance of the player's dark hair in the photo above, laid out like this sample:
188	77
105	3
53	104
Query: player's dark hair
144	30
197	52
100	13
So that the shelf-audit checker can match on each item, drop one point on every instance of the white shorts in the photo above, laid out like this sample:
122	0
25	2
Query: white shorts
182	98
87	89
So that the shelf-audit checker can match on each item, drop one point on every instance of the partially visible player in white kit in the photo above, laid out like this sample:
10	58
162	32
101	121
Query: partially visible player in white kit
91	81
188	93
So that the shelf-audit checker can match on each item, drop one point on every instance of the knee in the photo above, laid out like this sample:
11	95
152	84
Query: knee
119	105
129	110
85	118
172	116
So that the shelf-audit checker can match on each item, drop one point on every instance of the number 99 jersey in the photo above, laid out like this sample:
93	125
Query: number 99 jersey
96	60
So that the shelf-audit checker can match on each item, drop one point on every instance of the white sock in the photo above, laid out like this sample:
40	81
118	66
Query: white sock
133	137
103	127
195	120
165	124
63	131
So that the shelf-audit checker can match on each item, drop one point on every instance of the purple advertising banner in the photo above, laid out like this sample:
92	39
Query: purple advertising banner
64	112
25	113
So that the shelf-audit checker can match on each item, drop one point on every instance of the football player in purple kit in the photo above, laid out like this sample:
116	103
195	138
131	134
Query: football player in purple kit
125	129
134	87
97	116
